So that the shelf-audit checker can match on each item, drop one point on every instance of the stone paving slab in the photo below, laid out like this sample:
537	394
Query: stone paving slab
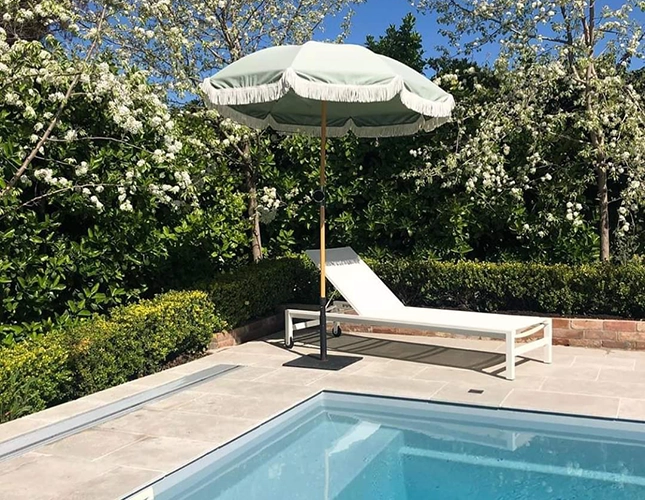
458	392
551	401
155	453
177	424
43	477
104	486
116	457
91	444
631	409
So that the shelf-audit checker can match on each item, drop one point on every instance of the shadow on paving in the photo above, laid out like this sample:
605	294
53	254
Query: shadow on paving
452	357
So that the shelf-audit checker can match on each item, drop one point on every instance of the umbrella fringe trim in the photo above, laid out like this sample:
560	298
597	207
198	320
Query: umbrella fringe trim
244	95
327	92
422	124
425	107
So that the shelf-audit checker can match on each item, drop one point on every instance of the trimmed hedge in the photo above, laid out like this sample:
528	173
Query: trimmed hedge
133	341
139	339
605	290
256	291
33	375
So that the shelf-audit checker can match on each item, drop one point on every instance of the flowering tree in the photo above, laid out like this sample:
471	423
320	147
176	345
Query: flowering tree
182	41
43	81
94	171
102	184
507	157
583	50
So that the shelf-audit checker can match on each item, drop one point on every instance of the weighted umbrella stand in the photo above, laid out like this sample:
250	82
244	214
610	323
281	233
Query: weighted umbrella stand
319	196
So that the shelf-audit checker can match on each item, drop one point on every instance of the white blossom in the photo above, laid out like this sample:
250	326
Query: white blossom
71	135
126	206
95	201
11	99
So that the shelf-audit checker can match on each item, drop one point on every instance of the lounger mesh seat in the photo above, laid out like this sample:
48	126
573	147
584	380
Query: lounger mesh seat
375	304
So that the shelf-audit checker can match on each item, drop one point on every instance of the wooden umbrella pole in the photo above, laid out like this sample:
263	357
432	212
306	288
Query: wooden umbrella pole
323	292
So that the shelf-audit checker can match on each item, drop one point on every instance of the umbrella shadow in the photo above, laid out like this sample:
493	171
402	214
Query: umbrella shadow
435	355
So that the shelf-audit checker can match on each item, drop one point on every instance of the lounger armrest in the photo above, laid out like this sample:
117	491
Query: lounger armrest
530	331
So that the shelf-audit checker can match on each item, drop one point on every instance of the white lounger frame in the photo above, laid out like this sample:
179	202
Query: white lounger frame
510	336
512	350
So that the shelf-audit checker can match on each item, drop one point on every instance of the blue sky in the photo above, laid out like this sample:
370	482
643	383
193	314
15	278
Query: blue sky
374	16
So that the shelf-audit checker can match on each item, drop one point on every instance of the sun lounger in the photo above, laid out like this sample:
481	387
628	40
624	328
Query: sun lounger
376	305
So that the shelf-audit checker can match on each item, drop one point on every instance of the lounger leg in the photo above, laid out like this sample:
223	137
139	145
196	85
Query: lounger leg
510	356
548	348
288	329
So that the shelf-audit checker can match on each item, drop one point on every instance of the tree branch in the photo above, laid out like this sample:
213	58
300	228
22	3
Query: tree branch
506	26
287	28
99	138
53	193
569	31
25	164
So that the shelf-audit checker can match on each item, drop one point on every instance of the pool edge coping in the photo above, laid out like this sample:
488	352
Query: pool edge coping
27	441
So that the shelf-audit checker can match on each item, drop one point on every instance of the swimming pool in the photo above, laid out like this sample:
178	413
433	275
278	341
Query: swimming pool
342	446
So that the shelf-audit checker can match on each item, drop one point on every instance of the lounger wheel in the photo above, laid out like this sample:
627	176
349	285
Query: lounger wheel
336	331
289	345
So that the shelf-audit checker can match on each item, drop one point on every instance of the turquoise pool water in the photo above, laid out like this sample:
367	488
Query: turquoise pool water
352	447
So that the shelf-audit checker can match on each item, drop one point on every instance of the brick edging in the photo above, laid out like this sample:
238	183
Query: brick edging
246	333
581	332
609	333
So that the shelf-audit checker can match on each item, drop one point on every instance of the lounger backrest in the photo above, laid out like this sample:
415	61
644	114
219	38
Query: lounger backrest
356	282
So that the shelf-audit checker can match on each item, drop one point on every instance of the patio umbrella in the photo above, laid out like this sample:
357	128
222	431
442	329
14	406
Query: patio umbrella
327	90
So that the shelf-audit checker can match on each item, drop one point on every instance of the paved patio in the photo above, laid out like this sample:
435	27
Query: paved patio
112	459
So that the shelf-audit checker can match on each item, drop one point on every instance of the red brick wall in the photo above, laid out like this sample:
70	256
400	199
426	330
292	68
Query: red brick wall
612	334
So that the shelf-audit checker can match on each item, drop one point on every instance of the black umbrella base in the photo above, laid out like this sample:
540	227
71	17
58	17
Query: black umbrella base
332	363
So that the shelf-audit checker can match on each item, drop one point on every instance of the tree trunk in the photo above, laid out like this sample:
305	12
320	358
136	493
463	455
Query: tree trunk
598	141
236	53
254	217
252	204
603	199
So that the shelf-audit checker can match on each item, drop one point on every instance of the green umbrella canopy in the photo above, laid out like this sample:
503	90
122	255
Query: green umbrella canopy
367	93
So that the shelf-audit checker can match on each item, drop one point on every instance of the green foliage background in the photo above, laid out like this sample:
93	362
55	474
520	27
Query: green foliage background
61	261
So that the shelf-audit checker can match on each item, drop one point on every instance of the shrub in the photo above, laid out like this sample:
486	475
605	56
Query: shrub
64	256
33	375
102	352
139	339
586	290
254	291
